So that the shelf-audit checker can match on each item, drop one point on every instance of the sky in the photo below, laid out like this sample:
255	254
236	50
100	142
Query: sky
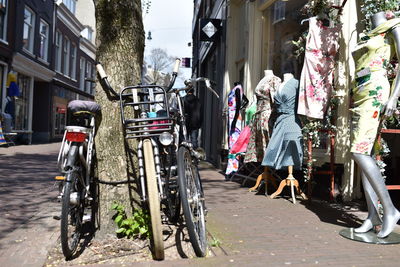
170	24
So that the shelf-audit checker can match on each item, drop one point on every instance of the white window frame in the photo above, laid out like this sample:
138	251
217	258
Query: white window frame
59	51
71	5
73	61
31	34
279	11
5	18
82	67
66	56
44	41
88	74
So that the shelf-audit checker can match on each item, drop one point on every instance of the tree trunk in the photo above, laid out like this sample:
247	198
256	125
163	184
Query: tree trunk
120	45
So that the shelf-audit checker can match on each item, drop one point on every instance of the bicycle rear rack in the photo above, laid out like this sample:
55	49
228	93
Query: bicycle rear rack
136	102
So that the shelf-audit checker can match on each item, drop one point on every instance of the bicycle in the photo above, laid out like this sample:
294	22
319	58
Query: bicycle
75	162
167	171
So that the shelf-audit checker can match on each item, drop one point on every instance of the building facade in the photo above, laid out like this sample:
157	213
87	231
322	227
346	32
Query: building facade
258	36
50	54
209	61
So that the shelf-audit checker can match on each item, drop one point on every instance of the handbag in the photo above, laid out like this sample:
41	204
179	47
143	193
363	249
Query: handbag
240	145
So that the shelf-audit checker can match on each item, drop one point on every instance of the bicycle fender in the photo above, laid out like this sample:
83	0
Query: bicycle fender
72	156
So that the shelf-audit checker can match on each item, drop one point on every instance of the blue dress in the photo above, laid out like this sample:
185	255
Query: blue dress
285	148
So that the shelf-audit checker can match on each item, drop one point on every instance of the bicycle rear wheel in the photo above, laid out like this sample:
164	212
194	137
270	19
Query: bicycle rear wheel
192	200
71	214
153	200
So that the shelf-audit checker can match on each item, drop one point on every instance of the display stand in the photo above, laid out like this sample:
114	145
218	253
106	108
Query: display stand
330	172
254	172
292	182
370	237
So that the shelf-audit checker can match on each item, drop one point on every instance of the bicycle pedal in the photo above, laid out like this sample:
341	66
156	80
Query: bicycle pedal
59	178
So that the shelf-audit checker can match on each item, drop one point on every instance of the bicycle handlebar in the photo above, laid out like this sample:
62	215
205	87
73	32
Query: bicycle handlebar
174	74
189	84
106	85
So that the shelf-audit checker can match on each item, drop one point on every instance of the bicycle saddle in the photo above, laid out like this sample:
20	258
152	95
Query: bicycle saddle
81	106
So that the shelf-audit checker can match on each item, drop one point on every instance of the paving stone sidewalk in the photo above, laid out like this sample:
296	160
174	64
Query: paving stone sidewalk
252	229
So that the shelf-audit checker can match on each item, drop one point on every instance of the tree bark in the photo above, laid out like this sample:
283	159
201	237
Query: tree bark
120	45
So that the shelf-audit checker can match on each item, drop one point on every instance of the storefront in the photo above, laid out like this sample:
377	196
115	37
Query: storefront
61	98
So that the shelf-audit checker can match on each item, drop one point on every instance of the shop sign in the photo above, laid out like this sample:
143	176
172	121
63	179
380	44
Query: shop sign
210	29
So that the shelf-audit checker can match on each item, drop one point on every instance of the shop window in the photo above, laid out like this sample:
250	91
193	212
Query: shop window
22	103
2	93
279	37
58	53
44	40
73	61
60	120
3	19
279	11
29	29
82	65
66	56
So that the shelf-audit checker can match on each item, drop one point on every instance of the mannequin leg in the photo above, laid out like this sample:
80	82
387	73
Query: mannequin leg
372	173
372	204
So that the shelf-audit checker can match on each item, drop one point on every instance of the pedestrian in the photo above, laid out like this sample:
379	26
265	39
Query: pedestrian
194	118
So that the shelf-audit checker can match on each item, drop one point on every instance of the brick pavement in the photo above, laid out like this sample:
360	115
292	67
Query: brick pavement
253	229
28	204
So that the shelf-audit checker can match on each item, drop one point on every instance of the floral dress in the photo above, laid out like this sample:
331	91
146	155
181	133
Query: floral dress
233	161
259	129
371	88
316	81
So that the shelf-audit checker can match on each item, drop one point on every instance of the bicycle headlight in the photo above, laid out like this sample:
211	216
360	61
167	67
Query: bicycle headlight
166	139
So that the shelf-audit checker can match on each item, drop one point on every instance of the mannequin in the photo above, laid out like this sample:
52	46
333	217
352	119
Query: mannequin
285	147
260	131
367	126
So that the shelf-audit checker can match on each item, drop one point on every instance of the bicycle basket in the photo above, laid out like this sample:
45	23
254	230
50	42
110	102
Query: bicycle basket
145	111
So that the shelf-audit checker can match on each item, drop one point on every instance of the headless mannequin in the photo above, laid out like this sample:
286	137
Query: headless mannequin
374	186
290	180
266	174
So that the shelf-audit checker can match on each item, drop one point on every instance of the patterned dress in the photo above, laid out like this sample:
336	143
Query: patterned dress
233	161
371	88
317	74
259	129
285	148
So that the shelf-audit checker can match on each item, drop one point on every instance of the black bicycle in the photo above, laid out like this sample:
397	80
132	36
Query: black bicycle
75	162
155	117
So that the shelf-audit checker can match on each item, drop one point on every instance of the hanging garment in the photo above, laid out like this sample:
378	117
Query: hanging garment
234	126
371	87
285	148
259	130
316	81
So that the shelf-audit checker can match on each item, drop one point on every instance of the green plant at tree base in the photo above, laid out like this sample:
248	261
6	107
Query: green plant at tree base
136	226
215	242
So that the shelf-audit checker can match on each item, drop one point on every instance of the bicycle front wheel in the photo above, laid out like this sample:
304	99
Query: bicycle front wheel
153	200
71	214
192	200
